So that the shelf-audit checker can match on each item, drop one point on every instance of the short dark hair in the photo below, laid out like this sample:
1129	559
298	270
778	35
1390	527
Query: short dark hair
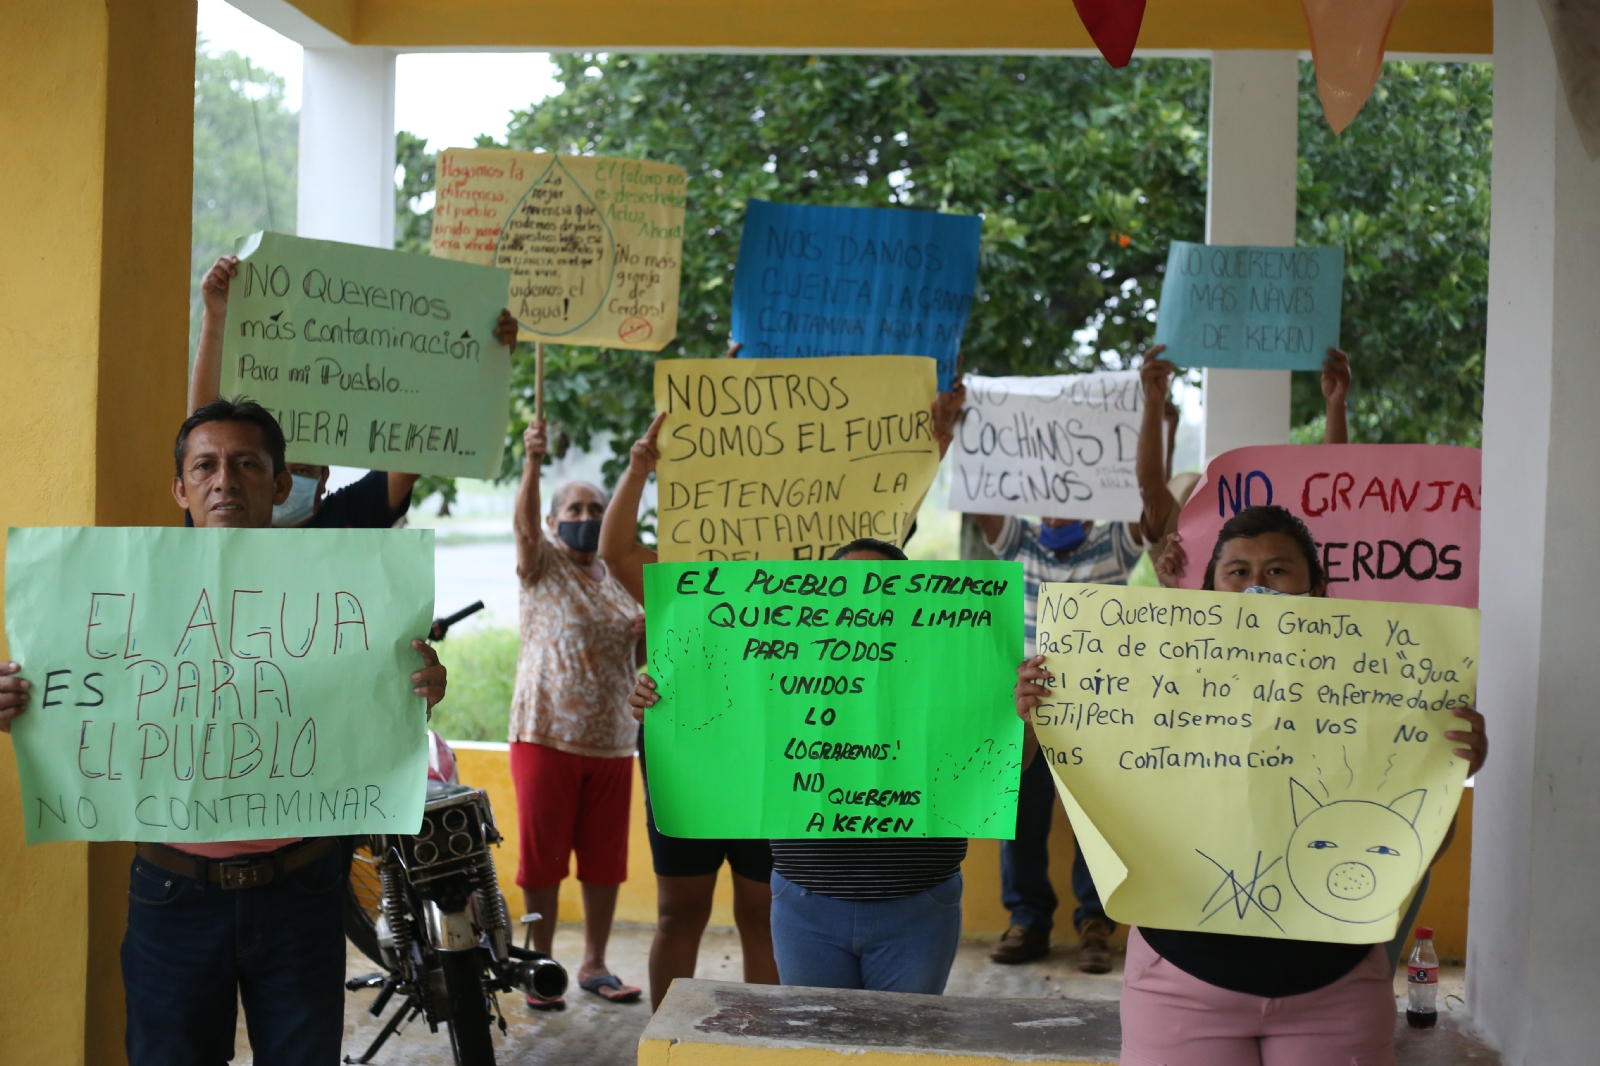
1254	522
870	544
237	409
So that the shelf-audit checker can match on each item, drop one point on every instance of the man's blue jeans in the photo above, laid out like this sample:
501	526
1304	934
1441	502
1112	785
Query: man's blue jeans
193	950
895	945
1025	888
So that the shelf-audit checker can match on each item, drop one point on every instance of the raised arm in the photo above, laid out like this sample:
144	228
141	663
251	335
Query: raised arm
1150	462
624	556
530	540
205	377
1171	416
1335	391
946	413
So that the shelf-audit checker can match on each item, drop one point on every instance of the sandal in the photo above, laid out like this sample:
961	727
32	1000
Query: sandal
610	987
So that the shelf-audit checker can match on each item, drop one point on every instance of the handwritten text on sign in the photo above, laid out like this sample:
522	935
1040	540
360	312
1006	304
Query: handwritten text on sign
1393	521
1250	307
789	459
593	243
816	281
1060	447
1258	765
202	685
371	358
834	699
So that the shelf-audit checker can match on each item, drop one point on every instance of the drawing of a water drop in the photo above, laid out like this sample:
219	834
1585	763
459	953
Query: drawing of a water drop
561	254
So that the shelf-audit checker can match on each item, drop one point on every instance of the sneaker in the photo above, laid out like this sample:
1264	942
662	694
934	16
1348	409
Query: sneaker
1094	954
1021	945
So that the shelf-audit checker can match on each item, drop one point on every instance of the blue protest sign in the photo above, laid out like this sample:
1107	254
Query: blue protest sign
1250	308
854	281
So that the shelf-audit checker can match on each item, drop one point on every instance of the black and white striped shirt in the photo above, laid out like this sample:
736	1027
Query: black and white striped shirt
867	870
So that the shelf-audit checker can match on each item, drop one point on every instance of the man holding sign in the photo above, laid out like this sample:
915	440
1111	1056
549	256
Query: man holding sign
210	924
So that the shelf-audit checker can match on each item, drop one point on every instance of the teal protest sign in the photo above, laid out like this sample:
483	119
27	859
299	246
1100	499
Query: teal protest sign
200	685
834	699
371	358
1250	308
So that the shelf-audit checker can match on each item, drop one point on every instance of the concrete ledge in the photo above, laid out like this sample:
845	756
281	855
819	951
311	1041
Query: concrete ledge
712	1023
716	1023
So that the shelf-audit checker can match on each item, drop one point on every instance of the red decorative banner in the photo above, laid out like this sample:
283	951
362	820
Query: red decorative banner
1114	26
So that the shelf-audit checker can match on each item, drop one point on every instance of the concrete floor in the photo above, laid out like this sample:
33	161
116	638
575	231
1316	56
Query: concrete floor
591	1032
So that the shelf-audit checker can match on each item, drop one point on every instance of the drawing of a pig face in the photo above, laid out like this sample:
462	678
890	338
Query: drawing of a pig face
1354	860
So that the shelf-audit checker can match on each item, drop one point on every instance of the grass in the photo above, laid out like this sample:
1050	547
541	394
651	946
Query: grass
483	666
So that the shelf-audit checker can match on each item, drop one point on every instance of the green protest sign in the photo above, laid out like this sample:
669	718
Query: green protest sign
371	358
199	685
834	699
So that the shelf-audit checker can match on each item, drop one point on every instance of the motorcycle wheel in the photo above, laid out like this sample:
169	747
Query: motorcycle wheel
469	1012
361	904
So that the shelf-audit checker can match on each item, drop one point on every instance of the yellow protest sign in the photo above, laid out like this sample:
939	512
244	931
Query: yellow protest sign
791	458
1260	765
593	243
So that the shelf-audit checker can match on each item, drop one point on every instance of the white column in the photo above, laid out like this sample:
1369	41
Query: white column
347	153
1533	955
1250	199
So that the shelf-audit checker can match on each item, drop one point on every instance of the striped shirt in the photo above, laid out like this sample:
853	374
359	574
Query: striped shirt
1106	557
868	870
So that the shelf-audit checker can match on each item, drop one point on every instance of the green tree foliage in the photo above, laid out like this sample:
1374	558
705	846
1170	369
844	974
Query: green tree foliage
1405	190
246	147
413	200
1082	174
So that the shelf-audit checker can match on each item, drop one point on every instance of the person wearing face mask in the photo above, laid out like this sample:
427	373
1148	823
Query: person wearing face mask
1216	999
1069	549
376	501
572	733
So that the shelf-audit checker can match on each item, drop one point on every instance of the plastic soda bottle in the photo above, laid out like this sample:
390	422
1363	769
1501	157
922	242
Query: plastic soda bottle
1422	982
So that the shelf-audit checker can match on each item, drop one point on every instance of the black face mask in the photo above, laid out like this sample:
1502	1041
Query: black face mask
580	536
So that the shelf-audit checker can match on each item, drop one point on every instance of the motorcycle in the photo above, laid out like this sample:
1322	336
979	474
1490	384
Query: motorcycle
427	908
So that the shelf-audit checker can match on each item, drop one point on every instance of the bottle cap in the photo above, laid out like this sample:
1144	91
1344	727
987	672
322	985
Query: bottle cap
1424	932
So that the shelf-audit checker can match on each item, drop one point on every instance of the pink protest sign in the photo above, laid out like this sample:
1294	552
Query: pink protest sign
1395	522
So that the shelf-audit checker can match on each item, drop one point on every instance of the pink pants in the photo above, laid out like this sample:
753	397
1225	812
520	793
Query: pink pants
1172	1019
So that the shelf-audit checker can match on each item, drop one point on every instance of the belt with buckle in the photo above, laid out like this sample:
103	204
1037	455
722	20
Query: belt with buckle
246	871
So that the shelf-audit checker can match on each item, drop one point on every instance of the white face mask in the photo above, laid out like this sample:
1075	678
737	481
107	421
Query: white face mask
1262	590
300	505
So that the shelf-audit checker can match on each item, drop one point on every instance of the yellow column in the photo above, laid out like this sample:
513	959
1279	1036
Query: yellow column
93	331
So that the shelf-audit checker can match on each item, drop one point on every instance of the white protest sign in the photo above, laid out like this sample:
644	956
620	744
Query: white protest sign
1057	447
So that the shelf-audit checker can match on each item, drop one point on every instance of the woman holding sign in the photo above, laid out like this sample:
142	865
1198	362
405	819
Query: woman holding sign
1218	999
876	913
572	738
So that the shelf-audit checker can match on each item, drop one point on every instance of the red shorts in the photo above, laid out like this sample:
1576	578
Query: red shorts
568	803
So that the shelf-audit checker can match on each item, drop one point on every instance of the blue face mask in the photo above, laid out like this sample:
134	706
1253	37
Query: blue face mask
299	507
1262	590
1062	538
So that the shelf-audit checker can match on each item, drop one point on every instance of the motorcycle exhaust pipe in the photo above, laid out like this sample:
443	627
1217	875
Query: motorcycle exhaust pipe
544	977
